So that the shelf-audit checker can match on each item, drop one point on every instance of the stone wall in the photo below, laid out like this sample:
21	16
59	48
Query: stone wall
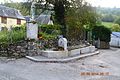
13	50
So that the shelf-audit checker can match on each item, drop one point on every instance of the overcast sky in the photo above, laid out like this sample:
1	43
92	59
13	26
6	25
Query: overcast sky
101	3
11	0
105	3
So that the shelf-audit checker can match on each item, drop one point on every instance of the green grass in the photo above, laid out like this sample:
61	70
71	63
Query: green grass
108	24
112	26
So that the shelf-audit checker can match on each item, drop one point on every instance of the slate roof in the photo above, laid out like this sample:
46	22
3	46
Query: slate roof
44	18
115	35
10	12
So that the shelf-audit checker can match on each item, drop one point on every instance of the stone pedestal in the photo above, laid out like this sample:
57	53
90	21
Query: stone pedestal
32	31
0	28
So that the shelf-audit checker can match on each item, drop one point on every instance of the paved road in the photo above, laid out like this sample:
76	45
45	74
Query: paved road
107	63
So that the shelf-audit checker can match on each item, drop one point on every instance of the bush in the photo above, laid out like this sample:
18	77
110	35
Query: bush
16	34
115	28
49	31
4	36
102	33
46	36
49	28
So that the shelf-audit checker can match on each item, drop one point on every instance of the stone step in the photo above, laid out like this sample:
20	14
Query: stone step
61	60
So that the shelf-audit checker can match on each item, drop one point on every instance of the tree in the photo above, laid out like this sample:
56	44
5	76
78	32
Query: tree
108	18
60	9
73	15
23	7
80	14
117	21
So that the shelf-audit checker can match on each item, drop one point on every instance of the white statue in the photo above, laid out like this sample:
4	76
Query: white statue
32	28
62	42
33	10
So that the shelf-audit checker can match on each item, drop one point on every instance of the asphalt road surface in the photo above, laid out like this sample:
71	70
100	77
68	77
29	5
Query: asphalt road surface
104	66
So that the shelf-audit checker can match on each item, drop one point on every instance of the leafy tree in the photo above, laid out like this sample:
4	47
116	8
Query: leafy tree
108	18
79	15
117	21
59	9
107	11
23	7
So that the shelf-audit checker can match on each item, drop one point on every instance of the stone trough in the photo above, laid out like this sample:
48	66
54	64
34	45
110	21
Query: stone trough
65	54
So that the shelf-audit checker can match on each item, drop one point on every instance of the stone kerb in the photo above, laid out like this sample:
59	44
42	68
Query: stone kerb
88	49
74	52
79	51
64	54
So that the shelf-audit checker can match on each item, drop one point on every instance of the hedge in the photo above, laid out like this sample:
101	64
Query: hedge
101	32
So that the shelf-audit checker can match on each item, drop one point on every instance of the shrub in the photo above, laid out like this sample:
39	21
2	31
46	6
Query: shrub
4	36
49	28
45	26
102	33
49	31
47	36
16	34
115	28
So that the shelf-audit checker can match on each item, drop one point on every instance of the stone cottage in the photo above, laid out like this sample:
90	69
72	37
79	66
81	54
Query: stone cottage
10	17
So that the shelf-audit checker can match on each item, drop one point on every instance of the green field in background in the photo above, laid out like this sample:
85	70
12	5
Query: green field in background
108	24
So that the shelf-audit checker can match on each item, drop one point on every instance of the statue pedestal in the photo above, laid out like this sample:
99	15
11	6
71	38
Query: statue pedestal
32	31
